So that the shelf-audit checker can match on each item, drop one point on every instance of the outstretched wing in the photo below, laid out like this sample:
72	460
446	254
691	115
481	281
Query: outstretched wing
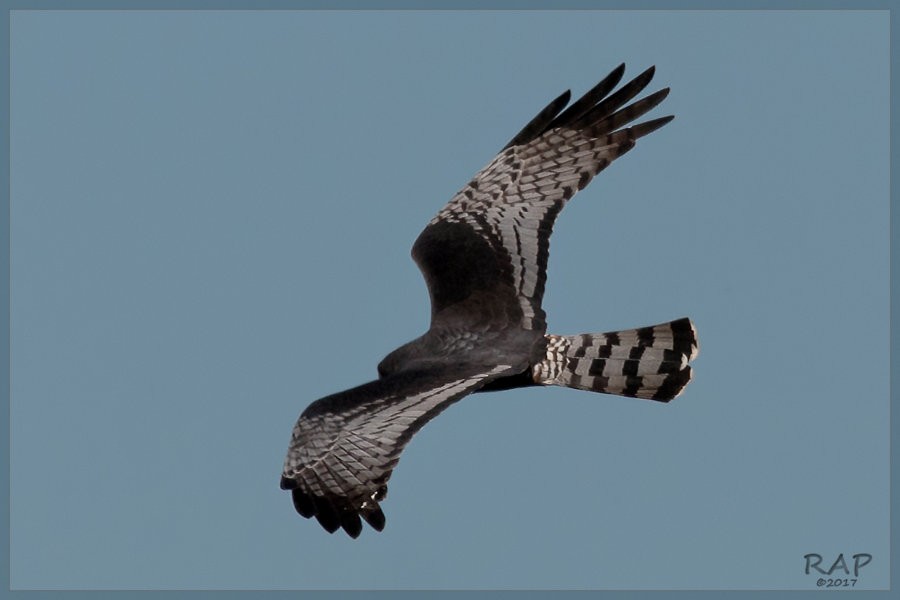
484	256
345	446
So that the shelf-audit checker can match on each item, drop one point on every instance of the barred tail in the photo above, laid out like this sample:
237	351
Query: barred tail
650	362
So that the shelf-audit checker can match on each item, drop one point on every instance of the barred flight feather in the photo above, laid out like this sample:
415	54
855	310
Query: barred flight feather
650	362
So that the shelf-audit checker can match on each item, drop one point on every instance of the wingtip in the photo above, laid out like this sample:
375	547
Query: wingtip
643	79
327	514
303	504
618	72
351	524
614	78
332	517
330	525
642	129
375	519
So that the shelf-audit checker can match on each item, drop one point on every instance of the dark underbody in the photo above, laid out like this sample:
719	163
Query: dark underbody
523	379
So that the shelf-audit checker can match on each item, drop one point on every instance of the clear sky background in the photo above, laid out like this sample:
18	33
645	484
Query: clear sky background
211	222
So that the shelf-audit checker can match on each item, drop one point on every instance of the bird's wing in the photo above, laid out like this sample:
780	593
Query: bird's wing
484	256
344	447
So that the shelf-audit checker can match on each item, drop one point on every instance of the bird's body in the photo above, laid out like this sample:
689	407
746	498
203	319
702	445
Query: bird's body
484	259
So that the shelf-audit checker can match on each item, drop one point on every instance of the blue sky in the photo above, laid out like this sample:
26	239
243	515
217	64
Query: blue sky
211	217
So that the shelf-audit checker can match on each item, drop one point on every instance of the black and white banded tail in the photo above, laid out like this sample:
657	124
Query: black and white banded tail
650	362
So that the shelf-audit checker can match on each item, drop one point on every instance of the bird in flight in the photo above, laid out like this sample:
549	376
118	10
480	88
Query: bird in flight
484	259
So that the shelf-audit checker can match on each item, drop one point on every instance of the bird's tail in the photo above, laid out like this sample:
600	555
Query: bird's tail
650	362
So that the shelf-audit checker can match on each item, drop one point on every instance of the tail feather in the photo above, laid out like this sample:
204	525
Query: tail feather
649	362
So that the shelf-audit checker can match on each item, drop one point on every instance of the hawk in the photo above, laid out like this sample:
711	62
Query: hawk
484	259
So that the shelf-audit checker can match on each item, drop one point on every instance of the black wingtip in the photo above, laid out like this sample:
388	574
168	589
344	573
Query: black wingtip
607	83
641	81
606	108
288	484
303	504
562	99
631	112
642	129
375	519
634	87
537	125
584	104
333	516
327	515
329	522
590	109
351	524
660	95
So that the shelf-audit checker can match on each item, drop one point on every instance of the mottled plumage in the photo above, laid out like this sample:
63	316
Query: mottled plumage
484	259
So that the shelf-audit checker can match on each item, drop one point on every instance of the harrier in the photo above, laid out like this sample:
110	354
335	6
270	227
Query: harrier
484	259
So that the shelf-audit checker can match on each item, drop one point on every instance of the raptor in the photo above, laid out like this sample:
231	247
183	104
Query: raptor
484	259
